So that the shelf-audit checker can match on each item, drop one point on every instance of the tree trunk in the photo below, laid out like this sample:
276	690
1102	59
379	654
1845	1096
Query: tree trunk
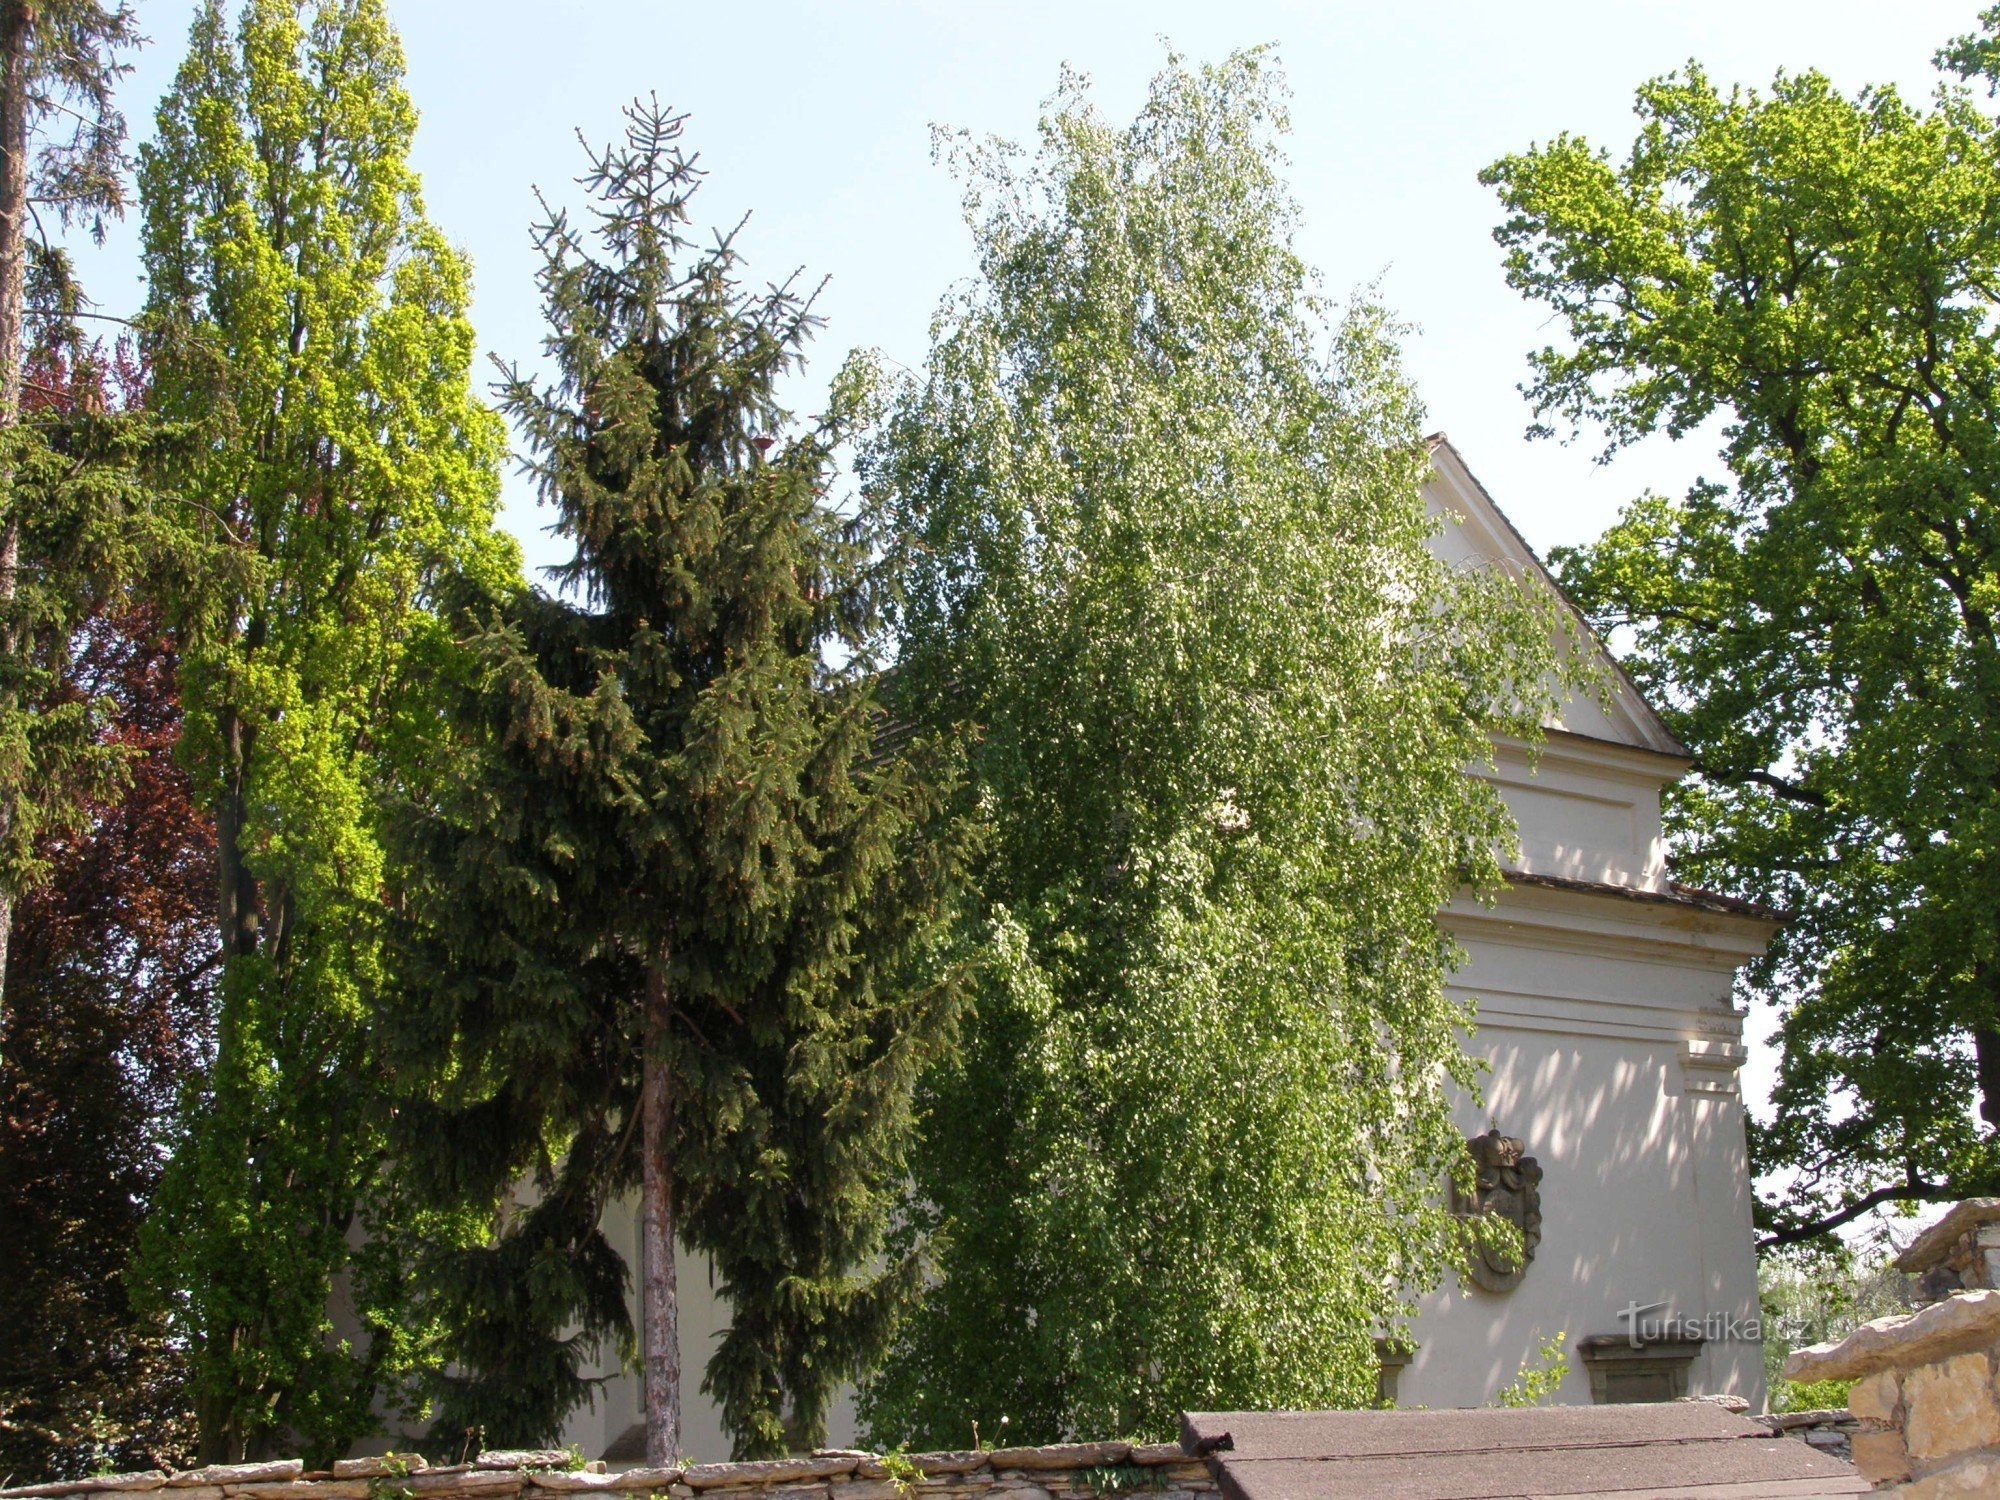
1986	1058
236	915
217	1440
220	1437
17	18
659	1298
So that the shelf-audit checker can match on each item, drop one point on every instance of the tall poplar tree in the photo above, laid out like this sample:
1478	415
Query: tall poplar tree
1170	553
307	320
672	924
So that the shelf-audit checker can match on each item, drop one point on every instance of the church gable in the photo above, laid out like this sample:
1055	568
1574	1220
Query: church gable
1476	531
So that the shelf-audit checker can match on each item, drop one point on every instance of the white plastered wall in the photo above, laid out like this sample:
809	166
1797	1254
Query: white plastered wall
1612	1045
703	1318
1607	1022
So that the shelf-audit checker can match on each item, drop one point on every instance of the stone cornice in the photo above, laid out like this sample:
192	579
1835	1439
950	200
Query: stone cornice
1577	916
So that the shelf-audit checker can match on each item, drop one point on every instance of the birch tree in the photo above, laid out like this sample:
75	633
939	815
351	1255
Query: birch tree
1169	556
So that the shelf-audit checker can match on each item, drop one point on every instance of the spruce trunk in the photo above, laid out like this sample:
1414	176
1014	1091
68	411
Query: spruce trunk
660	1298
17	19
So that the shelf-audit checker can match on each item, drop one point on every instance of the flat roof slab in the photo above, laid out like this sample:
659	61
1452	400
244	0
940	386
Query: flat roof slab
1683	1450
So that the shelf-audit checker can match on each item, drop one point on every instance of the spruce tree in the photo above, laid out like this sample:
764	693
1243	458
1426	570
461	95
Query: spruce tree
61	147
675	933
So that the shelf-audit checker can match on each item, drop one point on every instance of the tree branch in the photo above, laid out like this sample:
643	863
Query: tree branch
1912	1189
1791	791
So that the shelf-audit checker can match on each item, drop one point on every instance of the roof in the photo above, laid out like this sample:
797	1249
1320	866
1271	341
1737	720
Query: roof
1489	533
1688	1449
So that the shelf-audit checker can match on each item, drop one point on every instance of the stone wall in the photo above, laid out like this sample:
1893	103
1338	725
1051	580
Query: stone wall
1831	1431
1074	1471
1926	1401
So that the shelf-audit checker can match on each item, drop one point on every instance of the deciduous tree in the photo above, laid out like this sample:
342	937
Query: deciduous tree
309	323
113	982
1816	274
113	974
1168	553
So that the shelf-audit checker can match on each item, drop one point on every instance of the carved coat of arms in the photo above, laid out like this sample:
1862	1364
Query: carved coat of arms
1509	1185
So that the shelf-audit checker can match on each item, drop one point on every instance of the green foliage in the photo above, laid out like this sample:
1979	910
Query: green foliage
673	782
903	1472
1816	275
1166	551
309	323
76	506
67	486
1809	1395
1819	1295
393	1483
1539	1377
1120	1479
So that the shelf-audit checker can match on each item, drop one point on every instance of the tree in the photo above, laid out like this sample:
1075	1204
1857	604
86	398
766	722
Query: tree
1168	554
671	934
60	146
309	323
1817	274
111	983
1819	1294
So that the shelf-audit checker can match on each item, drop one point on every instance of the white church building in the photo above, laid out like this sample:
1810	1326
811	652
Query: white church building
1605	1011
1603	991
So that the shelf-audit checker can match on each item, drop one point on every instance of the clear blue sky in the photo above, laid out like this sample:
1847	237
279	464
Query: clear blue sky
816	117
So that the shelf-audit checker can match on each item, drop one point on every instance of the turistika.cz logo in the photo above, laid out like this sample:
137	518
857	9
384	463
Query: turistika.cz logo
1710	1328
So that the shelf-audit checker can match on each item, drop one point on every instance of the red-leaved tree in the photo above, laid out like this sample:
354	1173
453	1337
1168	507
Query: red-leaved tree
109	992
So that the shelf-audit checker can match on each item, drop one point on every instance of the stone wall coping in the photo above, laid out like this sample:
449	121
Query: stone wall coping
1059	1456
461	1479
277	1469
1936	1243
515	1471
1962	1321
630	1479
767	1471
384	1464
138	1479
1792	1421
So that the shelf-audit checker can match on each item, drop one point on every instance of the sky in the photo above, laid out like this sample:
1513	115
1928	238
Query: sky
816	119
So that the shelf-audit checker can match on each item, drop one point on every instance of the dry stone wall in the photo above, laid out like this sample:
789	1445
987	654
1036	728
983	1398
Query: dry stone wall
1925	1406
1070	1471
1830	1431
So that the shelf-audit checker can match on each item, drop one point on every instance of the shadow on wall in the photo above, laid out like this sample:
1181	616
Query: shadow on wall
1642	1179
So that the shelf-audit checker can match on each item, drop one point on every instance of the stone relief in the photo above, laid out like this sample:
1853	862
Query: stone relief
1508	1184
